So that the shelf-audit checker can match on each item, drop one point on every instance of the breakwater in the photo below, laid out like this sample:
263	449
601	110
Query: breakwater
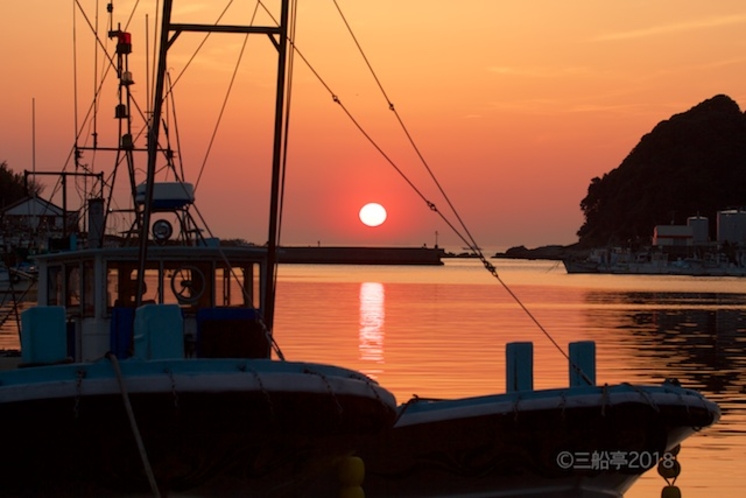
361	255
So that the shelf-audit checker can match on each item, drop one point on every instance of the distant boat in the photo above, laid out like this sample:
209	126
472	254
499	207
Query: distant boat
16	281
6	279
646	262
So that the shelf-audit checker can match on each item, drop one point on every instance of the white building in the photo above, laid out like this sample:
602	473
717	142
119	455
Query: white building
732	227
694	233
30	222
700	230
673	235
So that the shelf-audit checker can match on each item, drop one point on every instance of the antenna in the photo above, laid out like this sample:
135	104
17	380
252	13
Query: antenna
33	134
147	65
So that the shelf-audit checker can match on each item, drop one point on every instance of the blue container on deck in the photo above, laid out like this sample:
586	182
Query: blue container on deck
159	332
43	335
231	333
120	331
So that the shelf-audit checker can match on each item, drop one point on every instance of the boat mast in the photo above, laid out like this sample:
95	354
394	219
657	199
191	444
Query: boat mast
277	160
153	147
278	36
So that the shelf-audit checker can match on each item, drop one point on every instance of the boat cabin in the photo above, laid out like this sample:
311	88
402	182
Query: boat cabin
212	297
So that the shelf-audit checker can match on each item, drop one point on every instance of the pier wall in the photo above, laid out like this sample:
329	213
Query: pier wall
362	255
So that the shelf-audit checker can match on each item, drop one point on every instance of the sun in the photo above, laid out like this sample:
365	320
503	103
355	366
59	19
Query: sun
372	214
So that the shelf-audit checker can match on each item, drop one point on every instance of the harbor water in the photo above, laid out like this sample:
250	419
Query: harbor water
441	331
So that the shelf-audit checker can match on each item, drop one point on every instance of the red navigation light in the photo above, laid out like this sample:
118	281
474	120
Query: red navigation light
124	44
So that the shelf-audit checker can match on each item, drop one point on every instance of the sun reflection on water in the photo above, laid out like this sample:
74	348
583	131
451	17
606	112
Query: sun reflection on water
371	332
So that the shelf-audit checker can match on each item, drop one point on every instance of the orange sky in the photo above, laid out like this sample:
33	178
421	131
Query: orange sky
514	105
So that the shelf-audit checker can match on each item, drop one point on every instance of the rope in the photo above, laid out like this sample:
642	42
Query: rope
329	389
643	395
259	382
198	49
15	301
225	104
410	402
605	399
392	108
133	425
176	127
466	237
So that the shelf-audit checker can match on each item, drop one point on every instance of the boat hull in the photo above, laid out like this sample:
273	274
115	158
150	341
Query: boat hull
589	442
241	428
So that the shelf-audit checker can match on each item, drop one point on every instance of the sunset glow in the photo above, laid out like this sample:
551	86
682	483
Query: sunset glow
514	107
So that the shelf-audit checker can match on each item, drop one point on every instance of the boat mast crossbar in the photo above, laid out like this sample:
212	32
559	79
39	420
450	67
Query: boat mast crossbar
179	28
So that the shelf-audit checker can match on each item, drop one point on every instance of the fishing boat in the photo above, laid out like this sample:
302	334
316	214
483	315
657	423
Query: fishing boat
6	278
675	250
15	280
149	366
585	440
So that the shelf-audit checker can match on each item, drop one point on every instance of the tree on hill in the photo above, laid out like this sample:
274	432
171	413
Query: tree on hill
691	164
12	187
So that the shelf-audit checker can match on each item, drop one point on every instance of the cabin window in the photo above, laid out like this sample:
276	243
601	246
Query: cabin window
122	284
54	286
112	282
72	293
190	283
223	290
253	285
152	284
88	289
238	286
228	285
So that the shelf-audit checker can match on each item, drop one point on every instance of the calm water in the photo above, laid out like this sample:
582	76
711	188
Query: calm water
441	332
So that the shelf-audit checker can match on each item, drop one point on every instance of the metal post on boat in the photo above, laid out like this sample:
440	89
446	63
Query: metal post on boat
519	364
153	132
582	363
95	222
277	160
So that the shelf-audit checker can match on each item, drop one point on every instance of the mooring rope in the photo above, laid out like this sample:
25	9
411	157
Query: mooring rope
463	232
133	425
